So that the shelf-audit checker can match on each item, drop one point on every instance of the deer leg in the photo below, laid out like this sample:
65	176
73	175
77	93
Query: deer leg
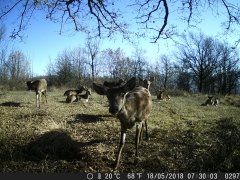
45	94
122	142
40	99
37	97
137	137
147	137
141	134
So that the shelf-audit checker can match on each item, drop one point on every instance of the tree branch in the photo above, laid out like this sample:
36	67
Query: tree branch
10	9
164	22
16	33
70	15
231	17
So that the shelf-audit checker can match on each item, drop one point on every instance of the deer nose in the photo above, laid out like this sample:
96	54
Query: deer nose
113	110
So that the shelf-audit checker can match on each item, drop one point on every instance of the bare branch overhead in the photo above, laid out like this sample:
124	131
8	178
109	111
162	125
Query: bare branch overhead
149	18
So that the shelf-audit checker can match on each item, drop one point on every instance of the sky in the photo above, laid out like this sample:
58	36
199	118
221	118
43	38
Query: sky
42	41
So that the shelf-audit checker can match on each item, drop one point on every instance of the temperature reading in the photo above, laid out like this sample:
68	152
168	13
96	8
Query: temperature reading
109	176
134	175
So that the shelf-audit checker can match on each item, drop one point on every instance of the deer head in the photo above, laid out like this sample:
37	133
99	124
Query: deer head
115	95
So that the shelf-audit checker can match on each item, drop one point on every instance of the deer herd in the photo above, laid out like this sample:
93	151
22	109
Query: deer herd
130	102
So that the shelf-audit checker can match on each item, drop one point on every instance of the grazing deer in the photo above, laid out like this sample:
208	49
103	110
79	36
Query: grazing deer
212	101
146	83
163	95
40	87
132	106
86	95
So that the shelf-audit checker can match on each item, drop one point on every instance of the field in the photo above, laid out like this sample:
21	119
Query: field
84	137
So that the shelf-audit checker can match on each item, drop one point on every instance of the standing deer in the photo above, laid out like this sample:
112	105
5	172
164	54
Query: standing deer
146	83
40	87
132	106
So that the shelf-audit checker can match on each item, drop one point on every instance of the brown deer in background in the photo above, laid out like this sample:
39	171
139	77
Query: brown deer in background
212	101
86	95
74	91
146	83
71	98
40	87
132	106
163	95
74	95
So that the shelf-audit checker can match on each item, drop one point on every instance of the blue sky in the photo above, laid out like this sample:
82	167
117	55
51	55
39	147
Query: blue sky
42	41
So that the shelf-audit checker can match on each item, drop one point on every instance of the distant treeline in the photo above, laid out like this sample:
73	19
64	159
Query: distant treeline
199	64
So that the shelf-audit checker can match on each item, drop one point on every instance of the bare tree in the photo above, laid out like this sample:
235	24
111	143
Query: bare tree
183	80
107	18
69	68
3	67
15	68
92	50
64	68
2	32
79	67
228	71
51	73
198	54
167	71
110	58
139	63
3	54
117	64
210	64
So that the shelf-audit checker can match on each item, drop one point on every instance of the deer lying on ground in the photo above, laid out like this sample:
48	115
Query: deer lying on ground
163	95
86	95
212	101
132	106
76	97
74	91
71	98
40	87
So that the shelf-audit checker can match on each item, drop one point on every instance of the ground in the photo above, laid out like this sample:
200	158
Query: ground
84	137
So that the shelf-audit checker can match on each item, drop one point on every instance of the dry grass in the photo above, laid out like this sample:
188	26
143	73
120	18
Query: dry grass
84	137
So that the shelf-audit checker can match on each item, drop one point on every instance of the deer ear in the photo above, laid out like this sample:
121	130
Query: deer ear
100	89
140	80
130	84
121	81
152	78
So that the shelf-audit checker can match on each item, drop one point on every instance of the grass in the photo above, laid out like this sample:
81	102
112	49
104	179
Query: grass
84	137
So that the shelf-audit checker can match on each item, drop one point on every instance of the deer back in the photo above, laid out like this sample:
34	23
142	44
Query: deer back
37	85
137	105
